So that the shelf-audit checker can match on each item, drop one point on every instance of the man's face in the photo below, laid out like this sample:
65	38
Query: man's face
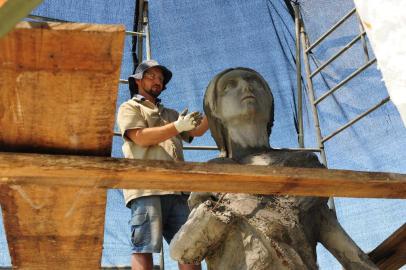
242	96
151	83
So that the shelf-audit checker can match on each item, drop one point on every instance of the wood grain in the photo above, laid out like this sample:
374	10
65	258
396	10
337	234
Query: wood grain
58	88
391	253
57	170
54	227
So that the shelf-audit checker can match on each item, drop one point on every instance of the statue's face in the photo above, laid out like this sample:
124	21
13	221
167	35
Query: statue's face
242	96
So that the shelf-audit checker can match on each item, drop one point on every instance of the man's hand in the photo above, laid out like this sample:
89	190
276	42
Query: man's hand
187	122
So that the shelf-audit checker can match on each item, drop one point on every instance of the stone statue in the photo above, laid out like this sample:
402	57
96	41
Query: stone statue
257	232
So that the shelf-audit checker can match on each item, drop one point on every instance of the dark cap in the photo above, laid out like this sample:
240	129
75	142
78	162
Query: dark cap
139	74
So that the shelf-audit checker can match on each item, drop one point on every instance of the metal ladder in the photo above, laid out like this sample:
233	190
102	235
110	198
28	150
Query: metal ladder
302	39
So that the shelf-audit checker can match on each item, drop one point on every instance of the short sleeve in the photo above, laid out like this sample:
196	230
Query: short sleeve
129	117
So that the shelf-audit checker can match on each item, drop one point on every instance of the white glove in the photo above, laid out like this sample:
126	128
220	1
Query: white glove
187	122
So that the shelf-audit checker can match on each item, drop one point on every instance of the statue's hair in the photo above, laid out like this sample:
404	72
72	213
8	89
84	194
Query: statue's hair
217	128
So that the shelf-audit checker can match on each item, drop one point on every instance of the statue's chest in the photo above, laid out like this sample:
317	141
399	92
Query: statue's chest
266	159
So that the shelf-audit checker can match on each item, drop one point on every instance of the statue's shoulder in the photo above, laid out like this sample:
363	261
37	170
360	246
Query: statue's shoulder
284	158
303	159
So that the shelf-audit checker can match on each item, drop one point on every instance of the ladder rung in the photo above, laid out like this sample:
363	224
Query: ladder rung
346	47
351	76
359	117
132	33
330	30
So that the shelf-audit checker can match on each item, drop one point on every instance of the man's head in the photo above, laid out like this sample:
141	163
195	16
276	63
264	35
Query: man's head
149	78
236	96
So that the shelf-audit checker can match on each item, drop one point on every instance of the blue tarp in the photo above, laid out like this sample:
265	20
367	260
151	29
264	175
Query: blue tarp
197	39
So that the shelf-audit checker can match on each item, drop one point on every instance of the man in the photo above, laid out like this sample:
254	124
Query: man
153	132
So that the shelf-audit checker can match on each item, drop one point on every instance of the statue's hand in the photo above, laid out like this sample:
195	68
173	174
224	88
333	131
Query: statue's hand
198	237
196	198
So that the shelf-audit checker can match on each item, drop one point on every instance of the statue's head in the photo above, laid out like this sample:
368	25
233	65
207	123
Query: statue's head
234	97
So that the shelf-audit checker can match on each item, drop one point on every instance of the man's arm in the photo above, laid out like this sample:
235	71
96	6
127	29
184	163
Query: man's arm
154	135
151	136
201	129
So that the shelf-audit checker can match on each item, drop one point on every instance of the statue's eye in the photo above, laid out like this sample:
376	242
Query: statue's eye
253	80
230	84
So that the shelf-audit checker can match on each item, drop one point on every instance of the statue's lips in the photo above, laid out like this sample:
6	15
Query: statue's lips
248	97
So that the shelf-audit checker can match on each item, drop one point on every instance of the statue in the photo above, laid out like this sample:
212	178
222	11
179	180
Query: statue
257	232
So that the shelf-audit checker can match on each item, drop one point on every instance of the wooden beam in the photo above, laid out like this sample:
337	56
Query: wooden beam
391	253
58	87
12	11
97	172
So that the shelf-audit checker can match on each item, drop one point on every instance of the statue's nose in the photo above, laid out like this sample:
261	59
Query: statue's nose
247	88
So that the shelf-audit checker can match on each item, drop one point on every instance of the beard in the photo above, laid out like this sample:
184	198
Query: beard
154	91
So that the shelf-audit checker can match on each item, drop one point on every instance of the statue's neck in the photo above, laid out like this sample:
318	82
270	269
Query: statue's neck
246	139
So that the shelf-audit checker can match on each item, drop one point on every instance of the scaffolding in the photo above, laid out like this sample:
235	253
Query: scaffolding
142	51
314	102
141	36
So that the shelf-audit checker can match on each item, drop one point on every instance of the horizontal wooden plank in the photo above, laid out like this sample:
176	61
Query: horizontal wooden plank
391	253
55	46
99	172
58	87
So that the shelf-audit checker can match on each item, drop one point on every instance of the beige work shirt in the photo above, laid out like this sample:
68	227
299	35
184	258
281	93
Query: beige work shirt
141	113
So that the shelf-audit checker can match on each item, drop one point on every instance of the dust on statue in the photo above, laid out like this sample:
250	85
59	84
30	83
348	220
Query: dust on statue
255	232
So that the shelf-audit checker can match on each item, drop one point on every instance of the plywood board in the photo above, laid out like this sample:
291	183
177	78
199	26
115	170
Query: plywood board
53	170
58	87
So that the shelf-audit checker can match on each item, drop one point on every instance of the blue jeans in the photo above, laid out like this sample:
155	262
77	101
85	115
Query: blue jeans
155	216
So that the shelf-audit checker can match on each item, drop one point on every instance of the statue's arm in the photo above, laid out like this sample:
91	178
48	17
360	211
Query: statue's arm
339	243
198	236
197	198
333	236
